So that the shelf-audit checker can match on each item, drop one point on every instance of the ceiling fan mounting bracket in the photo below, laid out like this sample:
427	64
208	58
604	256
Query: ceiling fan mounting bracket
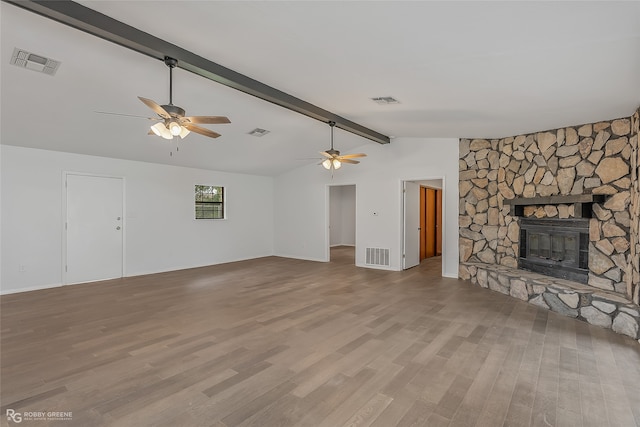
170	62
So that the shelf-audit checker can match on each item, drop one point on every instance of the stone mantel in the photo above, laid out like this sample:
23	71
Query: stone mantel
581	202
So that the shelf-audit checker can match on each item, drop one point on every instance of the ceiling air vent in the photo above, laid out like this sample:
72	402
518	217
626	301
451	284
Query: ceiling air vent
258	132
31	61
385	100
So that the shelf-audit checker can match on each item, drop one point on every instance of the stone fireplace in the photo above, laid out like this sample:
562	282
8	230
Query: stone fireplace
564	203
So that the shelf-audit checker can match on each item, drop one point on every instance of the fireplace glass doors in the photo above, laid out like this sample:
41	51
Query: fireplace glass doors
558	248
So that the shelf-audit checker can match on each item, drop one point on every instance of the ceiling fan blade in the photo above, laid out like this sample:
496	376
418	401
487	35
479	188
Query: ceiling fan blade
201	130
327	155
155	107
353	162
207	120
126	115
351	156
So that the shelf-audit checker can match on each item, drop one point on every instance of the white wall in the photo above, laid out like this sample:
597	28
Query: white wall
342	215
302	195
161	233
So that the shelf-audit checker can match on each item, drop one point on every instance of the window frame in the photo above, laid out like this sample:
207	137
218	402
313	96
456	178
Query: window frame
219	192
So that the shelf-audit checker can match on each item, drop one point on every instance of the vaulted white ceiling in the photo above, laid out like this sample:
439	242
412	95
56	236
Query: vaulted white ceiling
459	69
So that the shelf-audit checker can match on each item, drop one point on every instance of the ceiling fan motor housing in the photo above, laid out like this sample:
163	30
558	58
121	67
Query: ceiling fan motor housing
174	111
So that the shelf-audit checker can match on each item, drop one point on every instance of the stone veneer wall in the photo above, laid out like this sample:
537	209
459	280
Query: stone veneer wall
634	209
598	158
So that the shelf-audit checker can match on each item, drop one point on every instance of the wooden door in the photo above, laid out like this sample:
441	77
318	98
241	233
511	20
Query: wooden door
430	221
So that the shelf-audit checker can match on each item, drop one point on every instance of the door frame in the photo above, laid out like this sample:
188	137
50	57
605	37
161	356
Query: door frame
327	216
444	216
65	174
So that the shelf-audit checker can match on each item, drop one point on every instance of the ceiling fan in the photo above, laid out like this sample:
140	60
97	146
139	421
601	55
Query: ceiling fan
172	119
333	160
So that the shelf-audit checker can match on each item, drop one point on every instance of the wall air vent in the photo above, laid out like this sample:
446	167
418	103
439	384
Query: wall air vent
385	100
377	256
31	61
258	132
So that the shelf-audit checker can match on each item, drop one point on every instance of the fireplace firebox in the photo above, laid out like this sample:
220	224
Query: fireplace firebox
555	247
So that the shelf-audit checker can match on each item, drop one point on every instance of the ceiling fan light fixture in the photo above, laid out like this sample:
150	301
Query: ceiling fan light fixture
174	128
327	164
154	130
336	164
161	130
184	132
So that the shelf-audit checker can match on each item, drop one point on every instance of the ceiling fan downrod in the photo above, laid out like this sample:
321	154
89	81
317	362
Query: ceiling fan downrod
332	124
171	63
332	151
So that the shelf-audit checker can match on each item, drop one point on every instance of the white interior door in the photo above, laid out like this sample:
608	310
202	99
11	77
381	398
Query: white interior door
411	196
93	228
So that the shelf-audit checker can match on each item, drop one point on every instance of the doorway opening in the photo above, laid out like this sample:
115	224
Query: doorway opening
423	221
342	222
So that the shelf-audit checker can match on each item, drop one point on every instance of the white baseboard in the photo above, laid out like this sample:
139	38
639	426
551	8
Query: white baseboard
378	267
299	257
29	289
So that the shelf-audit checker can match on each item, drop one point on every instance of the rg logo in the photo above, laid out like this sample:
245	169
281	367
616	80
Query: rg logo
14	416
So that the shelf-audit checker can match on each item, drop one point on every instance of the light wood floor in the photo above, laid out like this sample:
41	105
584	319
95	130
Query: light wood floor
280	342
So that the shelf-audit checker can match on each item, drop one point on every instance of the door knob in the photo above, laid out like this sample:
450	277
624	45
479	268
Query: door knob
118	228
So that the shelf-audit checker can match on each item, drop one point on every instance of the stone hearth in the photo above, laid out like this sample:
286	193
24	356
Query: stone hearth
598	161
602	308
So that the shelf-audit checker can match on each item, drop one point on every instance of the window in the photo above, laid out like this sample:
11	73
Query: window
209	202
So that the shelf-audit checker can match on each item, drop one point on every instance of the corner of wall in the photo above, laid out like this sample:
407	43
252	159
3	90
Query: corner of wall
633	281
